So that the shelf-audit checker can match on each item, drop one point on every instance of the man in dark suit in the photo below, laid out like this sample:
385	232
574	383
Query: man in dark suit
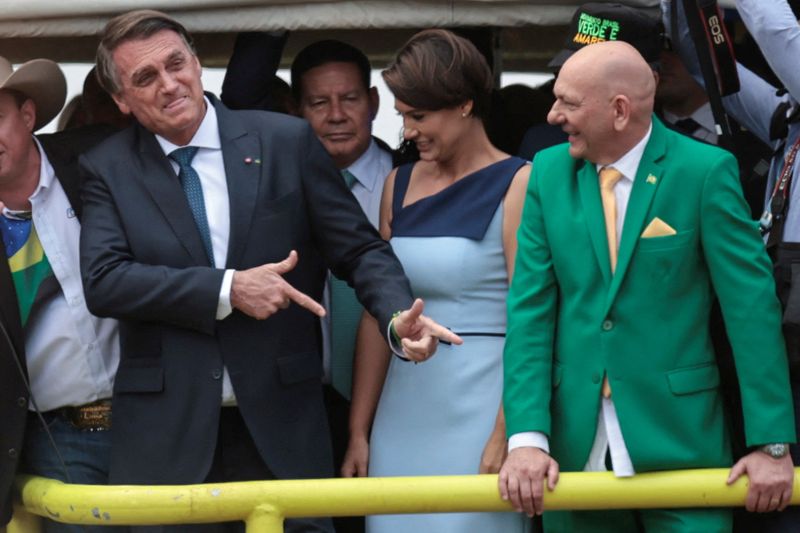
55	357
331	88
201	226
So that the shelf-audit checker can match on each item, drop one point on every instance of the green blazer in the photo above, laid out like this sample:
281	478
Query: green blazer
646	326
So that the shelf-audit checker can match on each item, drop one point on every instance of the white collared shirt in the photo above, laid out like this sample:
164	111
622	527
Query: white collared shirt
370	171
608	436
210	168
71	355
627	165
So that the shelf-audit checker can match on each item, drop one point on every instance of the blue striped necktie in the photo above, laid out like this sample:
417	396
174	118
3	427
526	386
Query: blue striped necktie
194	194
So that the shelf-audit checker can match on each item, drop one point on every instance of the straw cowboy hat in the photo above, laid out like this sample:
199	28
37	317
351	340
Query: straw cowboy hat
42	81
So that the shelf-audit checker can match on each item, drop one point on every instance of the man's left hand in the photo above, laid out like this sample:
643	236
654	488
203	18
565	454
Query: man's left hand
771	481
419	334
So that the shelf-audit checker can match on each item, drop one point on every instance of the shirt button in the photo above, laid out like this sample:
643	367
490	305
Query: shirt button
12	453
595	378
216	373
22	401
608	325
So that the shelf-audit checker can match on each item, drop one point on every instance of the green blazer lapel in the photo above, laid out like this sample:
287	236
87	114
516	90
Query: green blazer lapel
589	188
648	178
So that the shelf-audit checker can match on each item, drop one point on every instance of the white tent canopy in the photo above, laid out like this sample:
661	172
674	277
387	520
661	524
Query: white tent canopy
529	32
36	18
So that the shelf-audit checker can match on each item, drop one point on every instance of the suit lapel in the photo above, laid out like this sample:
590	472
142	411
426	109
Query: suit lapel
241	152
9	309
66	170
589	189
162	183
648	178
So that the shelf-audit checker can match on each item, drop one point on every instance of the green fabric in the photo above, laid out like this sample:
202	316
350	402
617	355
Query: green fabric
653	521
349	178
29	268
570	321
345	316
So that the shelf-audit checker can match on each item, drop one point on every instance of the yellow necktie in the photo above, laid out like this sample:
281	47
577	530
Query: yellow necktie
609	177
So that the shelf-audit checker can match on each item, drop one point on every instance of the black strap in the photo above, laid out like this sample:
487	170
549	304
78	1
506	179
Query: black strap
774	217
474	334
715	55
720	46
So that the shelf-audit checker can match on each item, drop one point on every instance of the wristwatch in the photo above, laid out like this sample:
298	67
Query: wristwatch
775	450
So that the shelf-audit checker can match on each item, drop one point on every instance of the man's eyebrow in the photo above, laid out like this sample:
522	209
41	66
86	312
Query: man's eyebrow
177	54
137	74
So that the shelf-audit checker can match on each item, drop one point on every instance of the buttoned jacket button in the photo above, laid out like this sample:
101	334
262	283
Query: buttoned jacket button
608	325
22	401
216	373
12	453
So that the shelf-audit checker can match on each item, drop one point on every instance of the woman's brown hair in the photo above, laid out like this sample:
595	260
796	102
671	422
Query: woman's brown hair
437	69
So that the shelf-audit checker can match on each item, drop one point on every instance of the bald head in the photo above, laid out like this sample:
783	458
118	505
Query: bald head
604	100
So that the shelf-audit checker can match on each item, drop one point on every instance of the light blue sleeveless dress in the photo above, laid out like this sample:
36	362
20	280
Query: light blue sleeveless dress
434	418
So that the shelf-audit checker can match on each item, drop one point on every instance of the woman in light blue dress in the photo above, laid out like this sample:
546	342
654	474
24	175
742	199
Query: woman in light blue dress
452	219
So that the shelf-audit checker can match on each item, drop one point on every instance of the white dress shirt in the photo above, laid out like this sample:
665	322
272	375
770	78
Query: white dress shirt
608	435
71	355
210	167
370	171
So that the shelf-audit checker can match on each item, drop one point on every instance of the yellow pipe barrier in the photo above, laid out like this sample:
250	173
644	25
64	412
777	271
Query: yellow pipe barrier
264	504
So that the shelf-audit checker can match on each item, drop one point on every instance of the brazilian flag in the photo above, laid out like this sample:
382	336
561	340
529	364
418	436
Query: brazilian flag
27	261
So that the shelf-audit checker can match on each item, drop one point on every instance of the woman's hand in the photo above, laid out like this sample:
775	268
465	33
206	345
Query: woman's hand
356	458
494	453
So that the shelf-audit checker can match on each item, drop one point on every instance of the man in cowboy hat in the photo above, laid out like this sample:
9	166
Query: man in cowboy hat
57	361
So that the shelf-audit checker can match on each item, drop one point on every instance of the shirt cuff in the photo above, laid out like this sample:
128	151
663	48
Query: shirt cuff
224	307
533	439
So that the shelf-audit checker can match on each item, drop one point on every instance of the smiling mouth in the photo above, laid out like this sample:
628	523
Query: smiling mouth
339	136
177	102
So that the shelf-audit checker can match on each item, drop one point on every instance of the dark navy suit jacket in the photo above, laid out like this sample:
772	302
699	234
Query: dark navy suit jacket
143	263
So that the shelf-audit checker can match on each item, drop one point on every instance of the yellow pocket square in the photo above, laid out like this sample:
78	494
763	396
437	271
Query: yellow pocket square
657	228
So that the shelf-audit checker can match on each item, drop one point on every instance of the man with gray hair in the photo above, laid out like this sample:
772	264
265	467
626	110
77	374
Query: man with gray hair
208	233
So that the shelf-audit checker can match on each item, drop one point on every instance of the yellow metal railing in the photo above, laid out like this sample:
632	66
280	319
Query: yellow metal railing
263	505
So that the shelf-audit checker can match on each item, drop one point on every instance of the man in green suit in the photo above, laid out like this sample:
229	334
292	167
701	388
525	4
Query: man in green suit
629	232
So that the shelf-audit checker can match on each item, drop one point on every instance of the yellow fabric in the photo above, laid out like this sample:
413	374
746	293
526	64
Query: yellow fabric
609	176
28	255
657	228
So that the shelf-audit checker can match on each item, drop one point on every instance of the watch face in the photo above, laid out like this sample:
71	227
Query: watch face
776	450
